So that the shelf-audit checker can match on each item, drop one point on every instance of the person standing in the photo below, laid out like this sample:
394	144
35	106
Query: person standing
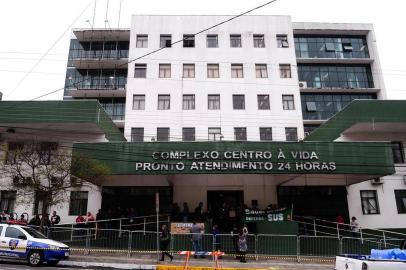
164	240
55	219
185	212
354	226
196	232
216	238
242	245
234	234
199	212
35	221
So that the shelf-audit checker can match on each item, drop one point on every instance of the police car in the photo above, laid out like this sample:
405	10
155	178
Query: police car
25	243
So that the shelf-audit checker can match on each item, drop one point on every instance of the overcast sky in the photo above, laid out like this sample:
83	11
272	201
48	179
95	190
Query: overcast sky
29	28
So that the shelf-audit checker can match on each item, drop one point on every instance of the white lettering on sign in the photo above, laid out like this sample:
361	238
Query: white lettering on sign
195	161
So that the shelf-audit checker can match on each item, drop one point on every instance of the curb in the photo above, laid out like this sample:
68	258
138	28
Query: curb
107	265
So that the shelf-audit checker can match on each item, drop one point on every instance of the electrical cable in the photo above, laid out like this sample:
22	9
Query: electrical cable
48	50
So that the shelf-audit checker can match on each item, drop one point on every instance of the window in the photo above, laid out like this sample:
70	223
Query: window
369	202
39	203
240	134
400	197
238	102
188	134
285	71
319	106
188	102
213	71
212	41
137	134
14	233
235	41
7	200
336	76
188	70
142	41
47	150
139	102
397	152
162	134
78	203
263	102
347	47
288	102
14	149
282	41
291	134
311	106
140	70
164	102
237	71
331	46
214	134
165	41
259	41
261	71
213	102
265	133
164	70
188	41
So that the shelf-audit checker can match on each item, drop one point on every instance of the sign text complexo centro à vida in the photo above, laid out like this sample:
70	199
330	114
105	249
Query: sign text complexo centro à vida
224	161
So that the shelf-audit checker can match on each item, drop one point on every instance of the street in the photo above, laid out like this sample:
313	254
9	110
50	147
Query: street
21	266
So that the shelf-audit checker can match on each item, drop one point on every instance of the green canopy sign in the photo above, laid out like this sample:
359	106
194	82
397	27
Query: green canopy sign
254	215
242	157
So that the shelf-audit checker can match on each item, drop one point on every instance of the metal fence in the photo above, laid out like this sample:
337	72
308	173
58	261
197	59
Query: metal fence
259	246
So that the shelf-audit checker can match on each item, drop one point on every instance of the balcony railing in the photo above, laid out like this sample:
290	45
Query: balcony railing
99	54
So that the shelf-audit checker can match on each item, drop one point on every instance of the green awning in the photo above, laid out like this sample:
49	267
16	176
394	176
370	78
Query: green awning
17	113
360	111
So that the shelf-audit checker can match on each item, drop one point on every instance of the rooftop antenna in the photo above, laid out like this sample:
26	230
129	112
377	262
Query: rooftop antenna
91	25
106	21
119	15
94	13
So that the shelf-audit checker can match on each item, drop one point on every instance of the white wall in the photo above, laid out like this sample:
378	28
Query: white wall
201	118
389	216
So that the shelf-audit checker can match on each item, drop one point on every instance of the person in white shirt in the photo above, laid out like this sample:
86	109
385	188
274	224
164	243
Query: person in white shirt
354	227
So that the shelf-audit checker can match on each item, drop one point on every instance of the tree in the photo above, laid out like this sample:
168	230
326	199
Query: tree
48	172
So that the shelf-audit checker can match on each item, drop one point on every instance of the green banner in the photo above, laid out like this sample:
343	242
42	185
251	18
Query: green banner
242	157
254	215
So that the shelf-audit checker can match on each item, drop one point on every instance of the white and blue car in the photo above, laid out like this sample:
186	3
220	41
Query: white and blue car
25	243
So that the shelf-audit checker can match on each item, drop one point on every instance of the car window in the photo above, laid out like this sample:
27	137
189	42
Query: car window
1	230
34	233
13	232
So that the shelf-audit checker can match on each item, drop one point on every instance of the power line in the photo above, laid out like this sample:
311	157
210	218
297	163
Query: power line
48	50
150	53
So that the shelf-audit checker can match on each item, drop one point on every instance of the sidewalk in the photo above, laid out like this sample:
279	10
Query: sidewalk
149	262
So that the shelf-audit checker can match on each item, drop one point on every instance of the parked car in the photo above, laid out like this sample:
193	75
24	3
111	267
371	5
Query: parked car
25	243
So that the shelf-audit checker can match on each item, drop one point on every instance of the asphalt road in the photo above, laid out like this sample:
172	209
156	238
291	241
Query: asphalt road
21	266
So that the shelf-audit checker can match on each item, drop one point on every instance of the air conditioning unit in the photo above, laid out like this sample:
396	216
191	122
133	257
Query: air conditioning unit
376	181
302	85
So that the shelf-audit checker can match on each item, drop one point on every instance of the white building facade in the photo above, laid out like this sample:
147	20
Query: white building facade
255	78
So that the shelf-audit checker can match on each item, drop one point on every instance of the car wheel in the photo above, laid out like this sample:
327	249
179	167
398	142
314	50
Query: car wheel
35	258
52	263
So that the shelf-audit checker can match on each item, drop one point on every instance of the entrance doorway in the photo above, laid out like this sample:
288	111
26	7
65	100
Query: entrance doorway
142	199
225	208
324	202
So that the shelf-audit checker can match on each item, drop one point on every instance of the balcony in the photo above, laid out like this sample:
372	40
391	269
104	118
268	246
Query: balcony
93	59
104	87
